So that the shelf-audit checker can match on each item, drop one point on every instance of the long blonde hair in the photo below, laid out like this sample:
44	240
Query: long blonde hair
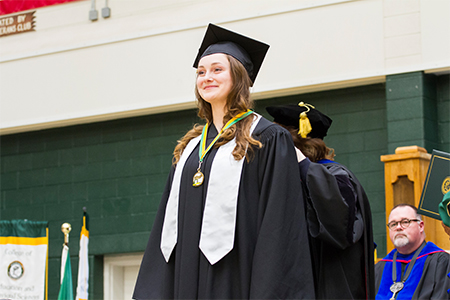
238	101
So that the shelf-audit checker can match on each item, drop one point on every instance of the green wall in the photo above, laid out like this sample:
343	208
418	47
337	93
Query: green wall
118	169
443	112
418	111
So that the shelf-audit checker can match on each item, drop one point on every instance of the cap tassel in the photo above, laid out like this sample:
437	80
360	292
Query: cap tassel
304	125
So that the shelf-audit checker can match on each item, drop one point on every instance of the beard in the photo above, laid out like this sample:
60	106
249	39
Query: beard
400	241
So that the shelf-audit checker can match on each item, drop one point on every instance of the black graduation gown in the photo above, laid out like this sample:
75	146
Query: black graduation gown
270	258
340	227
434	283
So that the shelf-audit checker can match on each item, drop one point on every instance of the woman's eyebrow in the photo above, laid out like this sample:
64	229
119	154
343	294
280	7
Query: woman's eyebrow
214	63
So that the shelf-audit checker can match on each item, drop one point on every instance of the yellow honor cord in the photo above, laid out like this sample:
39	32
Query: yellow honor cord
231	122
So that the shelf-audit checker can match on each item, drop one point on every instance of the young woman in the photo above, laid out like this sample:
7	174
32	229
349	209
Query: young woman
338	211
231	224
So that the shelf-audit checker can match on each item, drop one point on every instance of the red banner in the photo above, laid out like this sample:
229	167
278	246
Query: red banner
12	6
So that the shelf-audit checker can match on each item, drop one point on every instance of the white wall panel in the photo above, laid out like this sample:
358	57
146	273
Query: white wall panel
435	27
402	24
139	61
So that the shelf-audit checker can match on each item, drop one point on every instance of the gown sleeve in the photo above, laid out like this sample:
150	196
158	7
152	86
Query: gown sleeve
281	267
333	213
379	268
435	282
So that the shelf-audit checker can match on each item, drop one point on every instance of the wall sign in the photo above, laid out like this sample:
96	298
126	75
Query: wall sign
17	24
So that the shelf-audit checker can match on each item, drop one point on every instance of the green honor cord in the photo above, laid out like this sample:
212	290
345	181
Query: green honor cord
202	152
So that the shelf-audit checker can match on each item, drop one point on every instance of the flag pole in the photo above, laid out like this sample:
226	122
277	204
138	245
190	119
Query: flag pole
66	289
66	228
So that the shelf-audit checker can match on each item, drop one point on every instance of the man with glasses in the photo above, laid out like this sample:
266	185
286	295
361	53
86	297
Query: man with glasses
415	269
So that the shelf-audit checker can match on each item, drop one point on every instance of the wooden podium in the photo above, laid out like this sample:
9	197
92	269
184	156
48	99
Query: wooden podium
404	176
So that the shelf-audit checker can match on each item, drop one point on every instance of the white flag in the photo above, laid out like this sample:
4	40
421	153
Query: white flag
23	259
83	263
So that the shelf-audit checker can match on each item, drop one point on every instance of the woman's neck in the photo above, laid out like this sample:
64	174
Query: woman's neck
218	112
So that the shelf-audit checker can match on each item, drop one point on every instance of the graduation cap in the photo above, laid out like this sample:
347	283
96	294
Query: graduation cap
309	121
248	51
444	209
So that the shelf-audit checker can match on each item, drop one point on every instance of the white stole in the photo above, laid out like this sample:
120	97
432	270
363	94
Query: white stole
219	215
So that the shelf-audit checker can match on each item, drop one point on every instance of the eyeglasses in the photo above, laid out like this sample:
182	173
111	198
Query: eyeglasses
404	223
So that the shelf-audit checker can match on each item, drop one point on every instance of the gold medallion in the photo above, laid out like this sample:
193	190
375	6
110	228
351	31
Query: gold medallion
198	178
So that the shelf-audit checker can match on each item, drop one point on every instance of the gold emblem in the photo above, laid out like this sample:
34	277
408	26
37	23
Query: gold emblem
198	179
15	270
446	185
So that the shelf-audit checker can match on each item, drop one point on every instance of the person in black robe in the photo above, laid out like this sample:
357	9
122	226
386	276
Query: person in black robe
338	211
430	265
269	256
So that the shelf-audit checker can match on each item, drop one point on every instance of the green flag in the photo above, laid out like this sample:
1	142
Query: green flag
66	289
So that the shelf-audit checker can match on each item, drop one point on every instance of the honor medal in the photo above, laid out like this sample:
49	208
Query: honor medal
198	178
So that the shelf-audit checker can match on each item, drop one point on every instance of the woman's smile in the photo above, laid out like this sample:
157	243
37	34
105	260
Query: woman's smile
214	78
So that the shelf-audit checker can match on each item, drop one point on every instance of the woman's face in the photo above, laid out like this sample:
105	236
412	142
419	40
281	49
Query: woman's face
214	81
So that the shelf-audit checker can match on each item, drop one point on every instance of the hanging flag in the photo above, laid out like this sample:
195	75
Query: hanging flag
66	289
23	259
83	263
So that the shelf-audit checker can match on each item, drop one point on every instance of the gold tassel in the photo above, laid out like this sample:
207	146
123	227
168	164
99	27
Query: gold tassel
304	125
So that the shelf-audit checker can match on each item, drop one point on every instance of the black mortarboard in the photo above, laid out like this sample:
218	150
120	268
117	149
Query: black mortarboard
248	51
290	115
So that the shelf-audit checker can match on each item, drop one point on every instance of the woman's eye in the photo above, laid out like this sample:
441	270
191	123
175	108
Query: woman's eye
217	69
200	73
